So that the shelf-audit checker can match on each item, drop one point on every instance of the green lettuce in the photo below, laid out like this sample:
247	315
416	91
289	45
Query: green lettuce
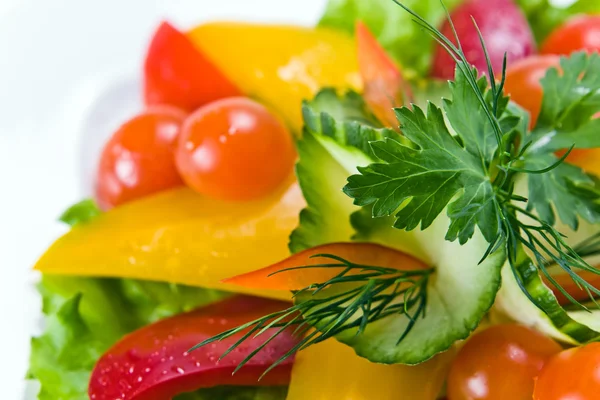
393	27
86	316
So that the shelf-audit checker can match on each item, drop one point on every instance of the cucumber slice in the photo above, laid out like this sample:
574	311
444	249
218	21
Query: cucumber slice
542	311
460	293
335	141
322	171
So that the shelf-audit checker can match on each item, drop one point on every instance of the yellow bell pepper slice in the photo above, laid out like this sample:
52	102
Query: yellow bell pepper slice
280	65
331	370
181	237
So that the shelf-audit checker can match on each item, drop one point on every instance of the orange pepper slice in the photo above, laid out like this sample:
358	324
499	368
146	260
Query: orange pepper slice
279	277
384	87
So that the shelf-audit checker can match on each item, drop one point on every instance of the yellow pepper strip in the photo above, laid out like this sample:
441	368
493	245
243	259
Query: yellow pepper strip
181	237
280	65
332	371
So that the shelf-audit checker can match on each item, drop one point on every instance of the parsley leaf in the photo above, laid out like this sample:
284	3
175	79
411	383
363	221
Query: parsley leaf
468	117
417	184
571	99
566	188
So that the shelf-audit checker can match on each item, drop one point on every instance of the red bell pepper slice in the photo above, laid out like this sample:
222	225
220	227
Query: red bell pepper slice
280	277
384	87
153	363
176	73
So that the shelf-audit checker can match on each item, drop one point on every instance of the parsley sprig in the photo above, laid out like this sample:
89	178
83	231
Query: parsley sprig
473	173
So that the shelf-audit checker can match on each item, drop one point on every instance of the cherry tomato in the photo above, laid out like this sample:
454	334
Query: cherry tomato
573	374
153	363
523	82
499	363
579	33
177	73
138	160
235	149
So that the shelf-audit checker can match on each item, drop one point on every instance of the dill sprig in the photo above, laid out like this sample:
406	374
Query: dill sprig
357	296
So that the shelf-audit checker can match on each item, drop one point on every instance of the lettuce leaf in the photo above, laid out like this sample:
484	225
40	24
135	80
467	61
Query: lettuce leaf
393	27
86	316
543	16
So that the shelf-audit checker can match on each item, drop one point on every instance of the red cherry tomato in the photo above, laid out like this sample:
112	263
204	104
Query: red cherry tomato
579	33
234	149
383	83
523	82
153	363
138	160
499	363
177	73
573	374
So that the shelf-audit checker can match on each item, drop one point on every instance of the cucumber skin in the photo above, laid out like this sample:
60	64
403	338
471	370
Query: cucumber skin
542	310
418	346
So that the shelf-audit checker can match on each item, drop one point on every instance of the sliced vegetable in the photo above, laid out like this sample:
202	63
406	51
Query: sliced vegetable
153	363
572	374
235	149
503	27
138	159
572	288
285	275
579	33
336	139
544	313
383	86
459	293
280	65
180	237
330	370
392	27
179	74
500	363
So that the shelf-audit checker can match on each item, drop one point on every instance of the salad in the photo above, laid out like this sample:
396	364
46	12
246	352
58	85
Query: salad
402	202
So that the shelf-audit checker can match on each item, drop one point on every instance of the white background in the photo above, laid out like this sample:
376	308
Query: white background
68	75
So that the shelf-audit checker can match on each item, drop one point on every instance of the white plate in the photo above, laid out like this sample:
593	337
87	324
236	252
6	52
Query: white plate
68	75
